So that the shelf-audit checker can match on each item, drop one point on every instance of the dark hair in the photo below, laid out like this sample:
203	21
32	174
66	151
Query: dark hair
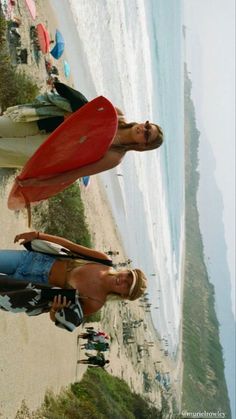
157	142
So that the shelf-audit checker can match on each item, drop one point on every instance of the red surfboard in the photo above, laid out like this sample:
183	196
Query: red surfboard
81	139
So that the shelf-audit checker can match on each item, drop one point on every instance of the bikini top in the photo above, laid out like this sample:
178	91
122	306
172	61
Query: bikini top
78	262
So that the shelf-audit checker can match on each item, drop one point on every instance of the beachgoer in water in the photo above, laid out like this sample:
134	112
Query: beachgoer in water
25	127
90	276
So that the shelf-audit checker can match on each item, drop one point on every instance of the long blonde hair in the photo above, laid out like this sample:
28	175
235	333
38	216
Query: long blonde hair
114	297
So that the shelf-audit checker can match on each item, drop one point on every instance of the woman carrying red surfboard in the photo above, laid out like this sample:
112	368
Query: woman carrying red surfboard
75	282
25	127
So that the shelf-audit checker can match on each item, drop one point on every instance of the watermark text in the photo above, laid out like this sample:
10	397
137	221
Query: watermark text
203	415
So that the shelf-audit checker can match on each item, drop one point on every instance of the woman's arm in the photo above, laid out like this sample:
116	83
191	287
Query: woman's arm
73	247
110	160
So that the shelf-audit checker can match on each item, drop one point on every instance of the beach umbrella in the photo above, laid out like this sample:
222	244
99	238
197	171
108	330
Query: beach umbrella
66	69
43	38
86	180
31	7
58	49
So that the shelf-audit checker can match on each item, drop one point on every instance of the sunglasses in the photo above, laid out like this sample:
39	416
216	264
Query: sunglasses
147	131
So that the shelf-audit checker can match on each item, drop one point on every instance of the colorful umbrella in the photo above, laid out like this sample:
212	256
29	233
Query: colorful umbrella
43	38
58	49
31	7
86	180
66	69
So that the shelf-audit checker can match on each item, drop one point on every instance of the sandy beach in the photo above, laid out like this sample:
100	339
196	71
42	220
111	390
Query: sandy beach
36	356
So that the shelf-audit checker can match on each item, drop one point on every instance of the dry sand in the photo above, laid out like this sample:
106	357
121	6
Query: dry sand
35	355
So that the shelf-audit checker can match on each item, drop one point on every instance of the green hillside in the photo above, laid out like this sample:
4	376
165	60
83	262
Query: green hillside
204	386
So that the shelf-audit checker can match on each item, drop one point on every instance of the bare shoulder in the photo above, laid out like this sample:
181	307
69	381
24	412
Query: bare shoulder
111	159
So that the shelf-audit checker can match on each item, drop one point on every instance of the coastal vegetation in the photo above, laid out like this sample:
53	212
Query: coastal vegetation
204	386
63	215
99	396
15	86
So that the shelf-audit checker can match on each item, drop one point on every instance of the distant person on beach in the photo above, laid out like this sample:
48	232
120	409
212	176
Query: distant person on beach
97	360
85	277
94	336
96	346
112	253
24	128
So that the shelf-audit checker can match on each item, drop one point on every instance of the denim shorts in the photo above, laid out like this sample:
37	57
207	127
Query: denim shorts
27	266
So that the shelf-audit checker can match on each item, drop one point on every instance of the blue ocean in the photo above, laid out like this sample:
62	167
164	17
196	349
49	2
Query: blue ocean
131	52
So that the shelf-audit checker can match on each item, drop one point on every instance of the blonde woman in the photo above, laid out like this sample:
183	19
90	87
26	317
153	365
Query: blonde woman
90	274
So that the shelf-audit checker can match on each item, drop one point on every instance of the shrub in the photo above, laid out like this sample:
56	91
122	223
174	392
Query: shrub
15	86
63	215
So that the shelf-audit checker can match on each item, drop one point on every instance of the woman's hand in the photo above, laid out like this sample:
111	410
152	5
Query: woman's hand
57	305
26	237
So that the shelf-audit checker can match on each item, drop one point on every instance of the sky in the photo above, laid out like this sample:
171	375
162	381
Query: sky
210	52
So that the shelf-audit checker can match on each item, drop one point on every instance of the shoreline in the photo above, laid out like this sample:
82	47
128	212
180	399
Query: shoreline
32	341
